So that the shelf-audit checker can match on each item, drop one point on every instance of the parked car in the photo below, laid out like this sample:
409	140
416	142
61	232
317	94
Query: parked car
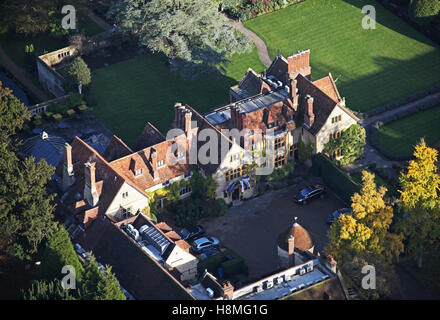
335	214
132	232
79	249
309	193
191	232
203	243
210	251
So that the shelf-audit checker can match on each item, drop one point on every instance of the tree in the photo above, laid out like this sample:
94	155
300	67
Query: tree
387	282
192	34
79	73
305	151
420	200
57	252
100	285
25	206
351	142
366	230
47	290
424	12
28	17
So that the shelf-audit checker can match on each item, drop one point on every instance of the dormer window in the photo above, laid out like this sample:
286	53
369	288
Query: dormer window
138	172
273	124
160	163
235	157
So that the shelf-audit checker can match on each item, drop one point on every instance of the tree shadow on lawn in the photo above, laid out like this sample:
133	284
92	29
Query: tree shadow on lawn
391	21
126	99
395	79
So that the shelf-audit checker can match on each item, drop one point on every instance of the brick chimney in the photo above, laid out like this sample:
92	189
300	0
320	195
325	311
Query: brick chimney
228	290
90	192
68	176
188	115
309	116
331	263
300	63
291	250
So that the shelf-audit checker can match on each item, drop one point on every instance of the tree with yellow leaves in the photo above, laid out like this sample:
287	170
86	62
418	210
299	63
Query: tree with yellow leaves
366	230
420	200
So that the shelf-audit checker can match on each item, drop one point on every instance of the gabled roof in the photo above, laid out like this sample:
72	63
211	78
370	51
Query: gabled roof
251	84
146	160
279	68
328	86
116	149
150	136
323	105
224	143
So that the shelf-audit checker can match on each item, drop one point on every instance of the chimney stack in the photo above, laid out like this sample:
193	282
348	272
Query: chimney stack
331	263
292	89
90	192
309	116
68	176
291	250
300	63
188	115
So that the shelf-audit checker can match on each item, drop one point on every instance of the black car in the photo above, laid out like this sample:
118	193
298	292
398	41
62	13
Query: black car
191	232
335	214
310	193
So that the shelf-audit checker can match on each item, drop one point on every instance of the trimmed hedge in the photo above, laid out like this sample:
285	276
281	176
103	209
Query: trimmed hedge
334	178
231	267
411	98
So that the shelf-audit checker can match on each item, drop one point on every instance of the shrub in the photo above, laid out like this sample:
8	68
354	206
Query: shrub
70	112
233	267
82	108
334	178
57	117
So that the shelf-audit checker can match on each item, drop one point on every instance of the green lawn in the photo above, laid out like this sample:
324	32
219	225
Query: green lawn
373	66
130	93
400	136
14	45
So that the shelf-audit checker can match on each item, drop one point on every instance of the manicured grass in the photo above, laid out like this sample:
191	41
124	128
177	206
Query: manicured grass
15	47
373	66
128	94
399	137
89	27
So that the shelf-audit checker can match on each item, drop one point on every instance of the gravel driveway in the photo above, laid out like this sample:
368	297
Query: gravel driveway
252	228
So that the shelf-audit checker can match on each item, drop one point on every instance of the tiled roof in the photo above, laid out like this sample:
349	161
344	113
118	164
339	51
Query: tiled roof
323	105
327	85
146	160
303	240
150	136
224	143
116	149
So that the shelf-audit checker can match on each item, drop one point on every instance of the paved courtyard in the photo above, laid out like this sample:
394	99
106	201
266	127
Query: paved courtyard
252	228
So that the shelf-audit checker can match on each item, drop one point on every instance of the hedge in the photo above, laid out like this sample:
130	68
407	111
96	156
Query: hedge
334	178
234	267
231	268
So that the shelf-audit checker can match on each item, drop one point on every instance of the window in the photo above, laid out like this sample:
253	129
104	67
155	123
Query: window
138	172
180	155
232	174
166	183
185	190
280	161
125	195
336	119
160	163
235	157
273	124
279	143
187	174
